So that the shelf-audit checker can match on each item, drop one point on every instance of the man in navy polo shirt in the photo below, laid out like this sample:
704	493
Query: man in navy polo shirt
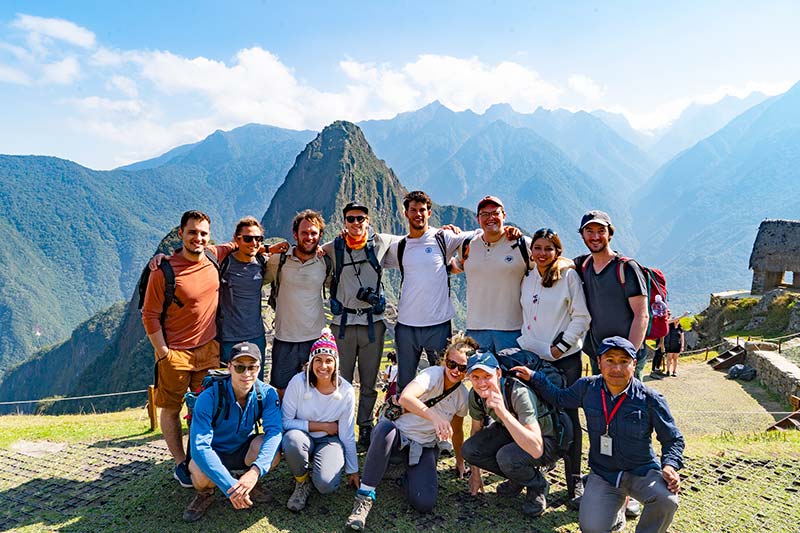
621	414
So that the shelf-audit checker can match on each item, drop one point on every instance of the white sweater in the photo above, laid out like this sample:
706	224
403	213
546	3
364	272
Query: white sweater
548	311
297	412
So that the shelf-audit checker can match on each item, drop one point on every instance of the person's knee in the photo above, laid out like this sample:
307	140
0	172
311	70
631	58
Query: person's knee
470	451
326	485
591	525
294	442
666	503
422	502
512	459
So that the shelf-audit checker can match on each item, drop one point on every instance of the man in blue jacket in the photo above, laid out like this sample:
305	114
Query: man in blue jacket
223	435
621	414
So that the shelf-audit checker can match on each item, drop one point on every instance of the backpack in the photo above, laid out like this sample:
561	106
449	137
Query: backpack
519	243
401	248
656	284
563	432
275	284
218	378
169	285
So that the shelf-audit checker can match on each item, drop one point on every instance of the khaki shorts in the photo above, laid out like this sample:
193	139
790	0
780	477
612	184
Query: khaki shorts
182	370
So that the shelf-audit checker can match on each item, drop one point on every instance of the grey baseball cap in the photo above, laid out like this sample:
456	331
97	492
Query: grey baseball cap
597	217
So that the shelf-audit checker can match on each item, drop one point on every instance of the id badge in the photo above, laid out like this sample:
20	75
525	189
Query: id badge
605	445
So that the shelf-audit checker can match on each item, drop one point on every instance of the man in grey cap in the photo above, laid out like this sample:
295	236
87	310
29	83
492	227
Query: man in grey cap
615	289
621	416
357	305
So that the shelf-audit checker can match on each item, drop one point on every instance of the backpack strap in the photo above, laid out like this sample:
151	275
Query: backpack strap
447	392
211	257
523	251
260	406
508	390
439	236
338	253
222	402
401	249
328	271
262	262
275	285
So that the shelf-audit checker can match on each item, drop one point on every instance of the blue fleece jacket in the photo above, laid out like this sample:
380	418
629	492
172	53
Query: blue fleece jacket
234	425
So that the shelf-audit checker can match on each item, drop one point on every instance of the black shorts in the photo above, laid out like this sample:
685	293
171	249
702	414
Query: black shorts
235	460
288	359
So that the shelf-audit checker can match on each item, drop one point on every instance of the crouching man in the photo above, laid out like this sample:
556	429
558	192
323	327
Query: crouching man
224	435
515	446
621	414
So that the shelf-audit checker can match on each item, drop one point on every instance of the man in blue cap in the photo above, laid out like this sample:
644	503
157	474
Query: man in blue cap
515	445
621	415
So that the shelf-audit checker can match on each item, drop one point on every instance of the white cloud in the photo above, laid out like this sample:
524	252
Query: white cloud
96	103
58	29
12	75
61	72
586	87
123	84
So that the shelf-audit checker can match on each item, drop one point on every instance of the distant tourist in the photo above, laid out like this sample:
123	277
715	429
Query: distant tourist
555	321
357	305
224	435
435	403
514	446
390	374
621	415
319	423
616	308
299	276
673	345
184	341
494	264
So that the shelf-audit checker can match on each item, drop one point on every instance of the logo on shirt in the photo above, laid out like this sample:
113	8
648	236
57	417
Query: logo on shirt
536	298
428	250
509	258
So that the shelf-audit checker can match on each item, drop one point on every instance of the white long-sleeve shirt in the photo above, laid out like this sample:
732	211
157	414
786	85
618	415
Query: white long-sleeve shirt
297	412
548	311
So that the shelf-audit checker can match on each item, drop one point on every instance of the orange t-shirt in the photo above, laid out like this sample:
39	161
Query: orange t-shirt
197	287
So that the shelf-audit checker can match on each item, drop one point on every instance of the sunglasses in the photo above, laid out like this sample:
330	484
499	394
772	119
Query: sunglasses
355	218
250	238
544	233
250	368
452	365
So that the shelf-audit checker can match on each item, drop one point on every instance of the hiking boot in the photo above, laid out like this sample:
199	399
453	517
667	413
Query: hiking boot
302	490
446	448
198	506
364	438
574	502
358	518
655	375
260	495
633	508
509	488
674	375
182	475
620	522
535	501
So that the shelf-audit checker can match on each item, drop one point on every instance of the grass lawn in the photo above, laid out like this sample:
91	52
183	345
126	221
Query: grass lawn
111	475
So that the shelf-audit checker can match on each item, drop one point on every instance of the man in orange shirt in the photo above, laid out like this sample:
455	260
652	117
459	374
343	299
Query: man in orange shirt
184	344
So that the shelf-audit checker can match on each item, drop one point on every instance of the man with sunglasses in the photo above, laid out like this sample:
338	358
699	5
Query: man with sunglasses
357	304
494	265
224	435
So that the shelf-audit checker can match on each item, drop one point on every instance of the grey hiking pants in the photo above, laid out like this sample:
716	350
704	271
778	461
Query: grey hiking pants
355	346
323	456
411	341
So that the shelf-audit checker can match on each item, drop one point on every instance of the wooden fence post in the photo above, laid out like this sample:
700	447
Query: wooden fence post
706	354
152	411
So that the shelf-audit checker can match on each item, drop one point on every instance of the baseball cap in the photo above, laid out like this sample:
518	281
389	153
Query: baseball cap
598	217
490	200
486	361
245	349
355	206
620	343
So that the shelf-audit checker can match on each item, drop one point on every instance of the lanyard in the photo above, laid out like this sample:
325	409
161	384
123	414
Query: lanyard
613	411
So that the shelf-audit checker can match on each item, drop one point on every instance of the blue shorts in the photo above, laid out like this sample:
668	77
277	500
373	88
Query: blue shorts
235	460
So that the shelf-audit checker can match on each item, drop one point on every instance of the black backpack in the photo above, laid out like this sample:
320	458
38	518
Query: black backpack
169	285
519	243
401	249
275	284
562	424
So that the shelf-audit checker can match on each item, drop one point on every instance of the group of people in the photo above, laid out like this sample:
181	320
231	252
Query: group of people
523	298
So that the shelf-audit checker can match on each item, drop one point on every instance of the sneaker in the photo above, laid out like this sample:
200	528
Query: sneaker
446	448
358	518
633	508
509	488
674	375
655	375
297	501
535	501
182	475
574	502
198	506
260	495
364	438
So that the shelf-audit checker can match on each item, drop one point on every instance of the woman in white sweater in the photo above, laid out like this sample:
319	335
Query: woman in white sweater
555	320
319	425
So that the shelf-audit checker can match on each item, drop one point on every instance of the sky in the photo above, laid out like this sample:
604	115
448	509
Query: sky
110	83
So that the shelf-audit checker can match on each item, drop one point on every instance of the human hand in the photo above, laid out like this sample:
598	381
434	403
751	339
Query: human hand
155	261
475	481
455	268
672	478
240	492
555	352
353	480
161	352
512	233
451	227
494	401
278	247
461	470
444	431
522	372
331	428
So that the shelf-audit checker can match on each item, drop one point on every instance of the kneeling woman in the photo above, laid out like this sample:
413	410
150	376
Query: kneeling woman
434	404
319	425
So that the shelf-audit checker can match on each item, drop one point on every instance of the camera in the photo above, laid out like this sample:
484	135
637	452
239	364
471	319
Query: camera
368	295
